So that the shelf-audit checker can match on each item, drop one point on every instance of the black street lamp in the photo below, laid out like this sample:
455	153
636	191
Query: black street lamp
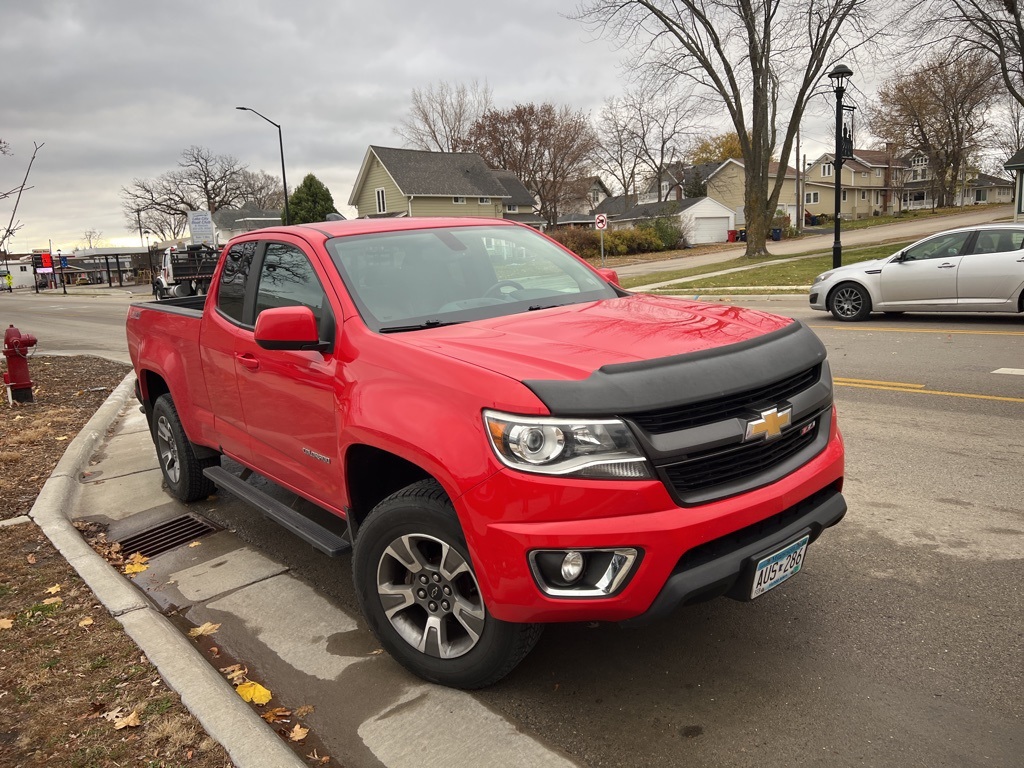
63	281
844	148
280	143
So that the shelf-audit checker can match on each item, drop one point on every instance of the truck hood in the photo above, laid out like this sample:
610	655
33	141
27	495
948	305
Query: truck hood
571	342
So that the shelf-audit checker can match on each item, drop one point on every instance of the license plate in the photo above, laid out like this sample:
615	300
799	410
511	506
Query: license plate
777	567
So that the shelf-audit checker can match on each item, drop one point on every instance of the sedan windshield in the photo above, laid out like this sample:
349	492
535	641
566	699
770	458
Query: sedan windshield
425	278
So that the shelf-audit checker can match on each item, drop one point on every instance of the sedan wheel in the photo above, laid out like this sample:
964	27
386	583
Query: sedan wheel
849	302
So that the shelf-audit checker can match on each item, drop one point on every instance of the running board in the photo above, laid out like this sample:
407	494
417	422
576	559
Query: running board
327	541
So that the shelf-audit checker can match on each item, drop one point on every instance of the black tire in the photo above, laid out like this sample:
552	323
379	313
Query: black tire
849	303
182	469
415	534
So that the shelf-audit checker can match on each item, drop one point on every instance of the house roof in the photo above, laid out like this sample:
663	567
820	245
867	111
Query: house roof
518	194
773	168
616	206
657	210
1016	162
987	180
684	174
436	174
576	218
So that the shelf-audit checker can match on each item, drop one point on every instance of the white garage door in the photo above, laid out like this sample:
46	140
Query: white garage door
710	229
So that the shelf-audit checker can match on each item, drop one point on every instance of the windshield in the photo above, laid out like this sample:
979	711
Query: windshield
424	278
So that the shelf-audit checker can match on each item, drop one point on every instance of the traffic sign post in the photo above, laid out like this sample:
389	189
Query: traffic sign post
601	224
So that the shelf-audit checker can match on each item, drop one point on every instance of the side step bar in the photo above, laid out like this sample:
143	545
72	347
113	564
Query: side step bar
327	541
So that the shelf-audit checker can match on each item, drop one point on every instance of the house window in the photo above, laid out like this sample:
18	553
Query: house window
863	194
878	173
878	198
810	197
485	201
24	269
458	201
826	169
382	204
595	196
844	195
511	209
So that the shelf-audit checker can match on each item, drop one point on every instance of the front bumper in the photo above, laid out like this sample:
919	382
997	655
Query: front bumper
687	553
818	296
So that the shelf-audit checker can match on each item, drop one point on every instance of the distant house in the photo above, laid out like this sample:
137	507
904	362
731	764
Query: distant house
677	180
588	193
412	182
1015	165
873	182
703	219
727	185
613	207
520	205
985	188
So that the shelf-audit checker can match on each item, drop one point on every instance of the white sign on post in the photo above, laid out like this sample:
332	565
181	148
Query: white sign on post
200	227
601	221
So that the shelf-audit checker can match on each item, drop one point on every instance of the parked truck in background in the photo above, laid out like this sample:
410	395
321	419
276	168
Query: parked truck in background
504	442
185	271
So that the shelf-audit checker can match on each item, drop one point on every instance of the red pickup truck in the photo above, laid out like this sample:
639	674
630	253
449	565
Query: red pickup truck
505	437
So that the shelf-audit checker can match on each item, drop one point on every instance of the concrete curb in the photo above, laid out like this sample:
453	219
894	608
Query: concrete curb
249	741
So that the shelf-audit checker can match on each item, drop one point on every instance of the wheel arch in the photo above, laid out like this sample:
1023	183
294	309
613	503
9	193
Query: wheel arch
373	474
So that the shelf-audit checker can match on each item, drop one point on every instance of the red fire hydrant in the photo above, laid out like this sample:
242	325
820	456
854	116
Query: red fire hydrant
16	346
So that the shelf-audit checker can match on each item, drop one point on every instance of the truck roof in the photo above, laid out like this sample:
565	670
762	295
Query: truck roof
372	226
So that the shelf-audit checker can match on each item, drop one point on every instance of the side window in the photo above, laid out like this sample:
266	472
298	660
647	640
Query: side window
999	241
234	279
287	279
941	247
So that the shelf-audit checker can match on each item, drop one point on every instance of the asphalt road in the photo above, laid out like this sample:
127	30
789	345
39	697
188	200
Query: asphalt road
900	643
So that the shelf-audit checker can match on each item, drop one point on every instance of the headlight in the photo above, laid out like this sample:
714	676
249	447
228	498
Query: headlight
577	448
822	277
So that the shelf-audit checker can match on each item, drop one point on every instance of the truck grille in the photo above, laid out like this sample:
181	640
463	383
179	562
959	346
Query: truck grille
733	406
723	467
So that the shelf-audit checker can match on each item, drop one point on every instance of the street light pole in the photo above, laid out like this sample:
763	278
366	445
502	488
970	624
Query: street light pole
839	75
280	144
63	282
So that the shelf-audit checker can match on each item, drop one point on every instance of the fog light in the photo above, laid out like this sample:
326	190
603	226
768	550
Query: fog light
572	566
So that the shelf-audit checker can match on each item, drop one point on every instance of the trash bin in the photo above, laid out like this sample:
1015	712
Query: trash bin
743	235
732	235
776	233
814	221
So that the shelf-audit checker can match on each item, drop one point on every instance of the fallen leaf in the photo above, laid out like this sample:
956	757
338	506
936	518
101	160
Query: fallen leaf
31	559
254	692
63	437
233	672
52	601
133	568
194	544
114	714
322	759
53	590
204	629
85	622
277	715
304	710
6	623
215	651
132	721
137	558
298	733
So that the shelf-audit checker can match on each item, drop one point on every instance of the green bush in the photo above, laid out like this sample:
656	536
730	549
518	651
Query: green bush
668	232
583	242
645	237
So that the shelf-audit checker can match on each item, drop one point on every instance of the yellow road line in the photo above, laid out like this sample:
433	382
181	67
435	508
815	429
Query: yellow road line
841	380
930	392
919	330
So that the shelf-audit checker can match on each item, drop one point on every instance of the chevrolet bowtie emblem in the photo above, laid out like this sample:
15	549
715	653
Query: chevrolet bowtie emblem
770	425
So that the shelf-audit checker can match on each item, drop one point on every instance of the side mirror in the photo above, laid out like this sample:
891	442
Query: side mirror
610	275
292	328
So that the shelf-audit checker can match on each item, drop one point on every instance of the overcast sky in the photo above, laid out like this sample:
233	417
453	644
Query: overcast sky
117	89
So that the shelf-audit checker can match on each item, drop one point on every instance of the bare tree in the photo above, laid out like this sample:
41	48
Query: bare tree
755	56
442	114
1007	133
661	118
616	153
202	181
91	236
995	27
549	148
940	109
13	225
262	190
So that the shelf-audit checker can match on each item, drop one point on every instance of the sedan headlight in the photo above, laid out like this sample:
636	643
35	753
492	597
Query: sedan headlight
822	277
572	447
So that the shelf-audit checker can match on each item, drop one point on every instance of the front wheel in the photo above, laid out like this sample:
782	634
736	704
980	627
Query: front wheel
181	468
849	302
418	590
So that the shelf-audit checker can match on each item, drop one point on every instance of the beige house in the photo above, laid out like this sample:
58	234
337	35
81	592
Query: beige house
871	184
727	185
412	182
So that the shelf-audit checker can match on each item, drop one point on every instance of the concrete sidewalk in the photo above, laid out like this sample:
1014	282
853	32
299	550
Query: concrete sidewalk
368	711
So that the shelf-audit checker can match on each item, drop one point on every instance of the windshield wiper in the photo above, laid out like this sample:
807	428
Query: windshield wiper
535	307
419	326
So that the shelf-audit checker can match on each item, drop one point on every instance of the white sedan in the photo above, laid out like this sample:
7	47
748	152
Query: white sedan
975	269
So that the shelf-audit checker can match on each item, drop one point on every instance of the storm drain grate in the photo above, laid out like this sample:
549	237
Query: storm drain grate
166	536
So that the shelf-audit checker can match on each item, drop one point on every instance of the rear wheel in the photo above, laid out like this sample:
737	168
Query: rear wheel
418	590
181	468
849	302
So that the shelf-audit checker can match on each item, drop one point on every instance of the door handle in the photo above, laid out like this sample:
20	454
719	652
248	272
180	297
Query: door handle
946	266
248	361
